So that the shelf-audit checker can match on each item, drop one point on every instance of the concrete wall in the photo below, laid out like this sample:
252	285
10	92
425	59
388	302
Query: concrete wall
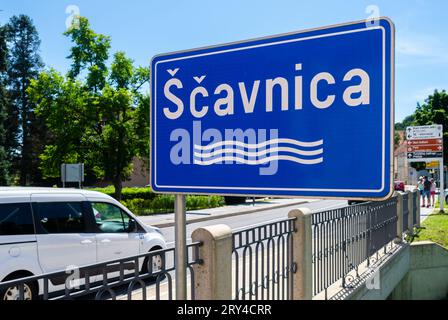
427	278
417	272
138	178
388	276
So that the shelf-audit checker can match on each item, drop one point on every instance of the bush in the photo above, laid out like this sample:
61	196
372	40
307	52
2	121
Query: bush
203	202
129	193
142	201
137	206
162	204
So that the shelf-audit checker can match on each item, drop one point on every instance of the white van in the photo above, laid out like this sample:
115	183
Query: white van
45	230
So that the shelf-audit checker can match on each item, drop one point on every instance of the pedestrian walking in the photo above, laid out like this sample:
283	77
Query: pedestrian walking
433	192
426	191
420	189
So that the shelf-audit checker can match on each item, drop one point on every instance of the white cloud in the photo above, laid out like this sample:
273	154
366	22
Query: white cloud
422	49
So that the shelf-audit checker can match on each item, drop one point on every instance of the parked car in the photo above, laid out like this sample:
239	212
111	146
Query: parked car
44	230
399	186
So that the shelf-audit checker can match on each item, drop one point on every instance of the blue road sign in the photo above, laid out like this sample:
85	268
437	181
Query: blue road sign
307	114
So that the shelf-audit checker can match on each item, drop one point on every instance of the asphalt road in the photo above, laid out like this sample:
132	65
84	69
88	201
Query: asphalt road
252	219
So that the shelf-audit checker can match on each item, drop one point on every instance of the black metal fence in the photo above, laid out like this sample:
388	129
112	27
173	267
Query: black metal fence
344	238
414	196
405	210
345	241
146	276
262	261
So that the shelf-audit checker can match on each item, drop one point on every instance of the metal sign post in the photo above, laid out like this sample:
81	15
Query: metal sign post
442	187
63	174
180	259
425	144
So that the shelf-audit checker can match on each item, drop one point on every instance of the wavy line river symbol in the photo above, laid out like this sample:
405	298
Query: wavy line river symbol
227	152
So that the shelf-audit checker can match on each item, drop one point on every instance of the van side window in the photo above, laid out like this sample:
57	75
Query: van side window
16	219
61	217
110	218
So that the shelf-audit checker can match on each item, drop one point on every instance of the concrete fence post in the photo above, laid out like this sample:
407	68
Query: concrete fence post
411	212
213	277
302	254
399	237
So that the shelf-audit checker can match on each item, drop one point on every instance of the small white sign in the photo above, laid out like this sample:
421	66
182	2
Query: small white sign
424	132
72	172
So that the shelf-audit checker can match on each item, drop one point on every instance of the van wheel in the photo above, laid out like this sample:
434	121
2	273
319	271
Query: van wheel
157	264
13	293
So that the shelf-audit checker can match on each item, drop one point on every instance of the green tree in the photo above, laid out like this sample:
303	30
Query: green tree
4	103
435	111
89	53
24	131
120	140
63	104
408	121
95	115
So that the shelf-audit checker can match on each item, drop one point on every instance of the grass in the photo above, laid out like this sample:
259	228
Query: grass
436	204
435	229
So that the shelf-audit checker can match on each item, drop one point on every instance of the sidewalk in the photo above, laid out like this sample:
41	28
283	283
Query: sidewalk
167	219
425	212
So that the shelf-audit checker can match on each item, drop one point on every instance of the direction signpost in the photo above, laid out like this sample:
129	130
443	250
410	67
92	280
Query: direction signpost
432	148
425	144
419	142
425	132
304	114
425	155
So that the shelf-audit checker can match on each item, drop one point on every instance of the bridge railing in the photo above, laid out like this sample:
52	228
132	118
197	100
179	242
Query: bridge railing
147	276
262	261
345	238
299	257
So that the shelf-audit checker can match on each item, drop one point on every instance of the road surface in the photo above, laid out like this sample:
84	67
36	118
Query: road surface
251	219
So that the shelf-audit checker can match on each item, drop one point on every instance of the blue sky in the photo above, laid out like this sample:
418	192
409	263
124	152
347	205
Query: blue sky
143	28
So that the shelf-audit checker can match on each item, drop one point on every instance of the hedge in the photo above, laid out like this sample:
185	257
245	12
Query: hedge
129	193
142	201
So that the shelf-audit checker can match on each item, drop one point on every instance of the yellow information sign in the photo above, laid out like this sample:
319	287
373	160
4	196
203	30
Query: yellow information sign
432	164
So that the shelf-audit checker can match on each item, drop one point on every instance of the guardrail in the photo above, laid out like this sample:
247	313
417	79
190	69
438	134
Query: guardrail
262	261
144	277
